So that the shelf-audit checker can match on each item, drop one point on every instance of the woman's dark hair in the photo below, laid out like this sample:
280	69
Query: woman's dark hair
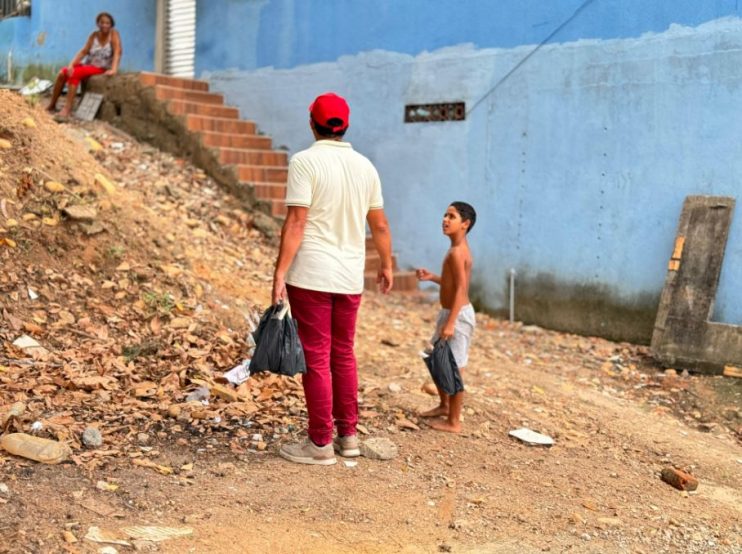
466	212
327	132
101	15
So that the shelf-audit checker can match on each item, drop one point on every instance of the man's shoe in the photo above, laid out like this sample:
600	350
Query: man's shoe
308	453
347	446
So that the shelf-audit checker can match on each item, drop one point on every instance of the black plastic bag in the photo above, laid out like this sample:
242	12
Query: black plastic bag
443	368
277	345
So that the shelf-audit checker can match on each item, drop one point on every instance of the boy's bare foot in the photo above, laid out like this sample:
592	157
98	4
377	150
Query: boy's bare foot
438	411
445	425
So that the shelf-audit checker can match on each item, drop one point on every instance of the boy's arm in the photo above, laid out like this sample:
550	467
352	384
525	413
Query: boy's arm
425	275
458	274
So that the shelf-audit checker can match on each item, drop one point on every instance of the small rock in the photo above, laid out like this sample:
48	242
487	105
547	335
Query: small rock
92	438
69	538
671	373
5	144
54	186
395	388
586	537
610	521
29	122
108	550
143	438
379	449
4	490
180	323
679	479
105	183
81	213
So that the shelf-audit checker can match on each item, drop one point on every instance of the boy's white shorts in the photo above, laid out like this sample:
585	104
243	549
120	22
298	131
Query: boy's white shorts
462	333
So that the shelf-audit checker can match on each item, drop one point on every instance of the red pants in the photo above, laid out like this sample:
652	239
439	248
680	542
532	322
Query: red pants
80	73
327	328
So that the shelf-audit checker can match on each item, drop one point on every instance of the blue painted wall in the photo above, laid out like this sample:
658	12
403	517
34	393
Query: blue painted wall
57	29
246	34
578	162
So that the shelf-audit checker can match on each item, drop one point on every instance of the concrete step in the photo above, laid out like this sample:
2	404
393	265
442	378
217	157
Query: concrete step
152	79
268	191
262	174
182	107
219	125
163	92
404	281
252	157
373	261
233	140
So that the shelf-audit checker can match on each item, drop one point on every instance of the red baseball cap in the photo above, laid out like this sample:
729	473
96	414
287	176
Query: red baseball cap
330	106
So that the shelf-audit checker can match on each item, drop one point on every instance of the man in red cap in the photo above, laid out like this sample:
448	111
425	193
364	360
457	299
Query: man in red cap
333	191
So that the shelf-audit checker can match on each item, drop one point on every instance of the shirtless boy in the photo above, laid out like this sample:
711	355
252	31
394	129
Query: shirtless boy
455	322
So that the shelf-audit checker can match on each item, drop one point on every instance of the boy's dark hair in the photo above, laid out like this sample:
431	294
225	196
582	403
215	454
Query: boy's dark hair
105	14
327	132
467	213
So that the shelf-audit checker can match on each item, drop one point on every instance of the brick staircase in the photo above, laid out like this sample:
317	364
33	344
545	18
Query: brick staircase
238	145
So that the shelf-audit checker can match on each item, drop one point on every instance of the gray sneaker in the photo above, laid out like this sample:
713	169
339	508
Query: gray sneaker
308	453
347	446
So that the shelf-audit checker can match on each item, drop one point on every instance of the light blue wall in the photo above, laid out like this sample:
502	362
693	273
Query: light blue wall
246	34
57	29
578	163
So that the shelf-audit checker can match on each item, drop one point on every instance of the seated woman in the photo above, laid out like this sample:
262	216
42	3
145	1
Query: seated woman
101	53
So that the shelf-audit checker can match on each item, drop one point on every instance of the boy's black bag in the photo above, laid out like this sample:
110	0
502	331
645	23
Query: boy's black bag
443	368
277	345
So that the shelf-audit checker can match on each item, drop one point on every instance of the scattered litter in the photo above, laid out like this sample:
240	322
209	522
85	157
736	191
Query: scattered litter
38	449
4	490
531	437
395	388
163	470
239	373
156	534
96	534
104	486
32	294
37	426
35	86
679	479
350	463
201	394
29	345
108	550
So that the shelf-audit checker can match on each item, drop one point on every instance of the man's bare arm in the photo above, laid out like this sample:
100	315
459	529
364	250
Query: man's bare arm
382	237
292	233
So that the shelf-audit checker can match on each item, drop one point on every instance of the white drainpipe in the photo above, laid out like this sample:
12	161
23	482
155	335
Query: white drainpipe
512	295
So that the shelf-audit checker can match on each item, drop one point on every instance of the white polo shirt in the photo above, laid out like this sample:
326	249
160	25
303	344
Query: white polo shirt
339	186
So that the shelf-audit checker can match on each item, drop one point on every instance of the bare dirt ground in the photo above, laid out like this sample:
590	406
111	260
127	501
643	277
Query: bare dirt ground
156	304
